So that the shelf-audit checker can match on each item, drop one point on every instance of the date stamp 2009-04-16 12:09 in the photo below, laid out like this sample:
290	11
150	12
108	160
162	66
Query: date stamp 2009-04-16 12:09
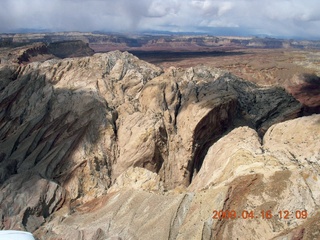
262	214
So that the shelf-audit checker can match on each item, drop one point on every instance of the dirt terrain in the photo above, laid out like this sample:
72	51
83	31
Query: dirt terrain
295	70
266	66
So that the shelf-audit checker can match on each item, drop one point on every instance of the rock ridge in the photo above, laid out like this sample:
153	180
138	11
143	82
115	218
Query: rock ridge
80	136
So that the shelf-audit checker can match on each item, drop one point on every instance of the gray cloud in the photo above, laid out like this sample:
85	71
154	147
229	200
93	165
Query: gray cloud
273	17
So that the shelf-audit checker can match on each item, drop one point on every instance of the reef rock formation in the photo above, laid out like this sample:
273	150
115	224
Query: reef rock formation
111	146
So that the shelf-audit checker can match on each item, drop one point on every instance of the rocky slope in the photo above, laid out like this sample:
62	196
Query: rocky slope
109	146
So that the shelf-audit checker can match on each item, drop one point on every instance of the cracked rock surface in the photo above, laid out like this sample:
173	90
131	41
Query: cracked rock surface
112	147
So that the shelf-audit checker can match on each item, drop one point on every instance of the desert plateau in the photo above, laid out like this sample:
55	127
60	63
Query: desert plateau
144	137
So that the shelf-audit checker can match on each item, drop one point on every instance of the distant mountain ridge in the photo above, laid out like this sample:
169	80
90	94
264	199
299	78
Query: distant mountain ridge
103	42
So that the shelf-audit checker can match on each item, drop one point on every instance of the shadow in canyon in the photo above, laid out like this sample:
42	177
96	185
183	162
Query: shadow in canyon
41	126
309	93
157	57
248	105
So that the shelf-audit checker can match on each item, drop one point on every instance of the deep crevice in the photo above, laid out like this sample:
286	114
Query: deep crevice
209	130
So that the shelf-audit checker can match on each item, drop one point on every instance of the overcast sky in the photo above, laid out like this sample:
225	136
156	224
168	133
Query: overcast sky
286	18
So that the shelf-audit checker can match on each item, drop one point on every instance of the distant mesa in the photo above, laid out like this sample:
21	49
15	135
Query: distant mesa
44	51
101	42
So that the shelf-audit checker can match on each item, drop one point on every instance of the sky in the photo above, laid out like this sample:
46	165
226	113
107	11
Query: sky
274	18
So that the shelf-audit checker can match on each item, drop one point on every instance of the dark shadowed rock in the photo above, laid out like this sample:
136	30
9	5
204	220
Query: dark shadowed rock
70	49
39	52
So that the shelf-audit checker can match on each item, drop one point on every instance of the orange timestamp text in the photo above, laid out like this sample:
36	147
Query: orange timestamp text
268	214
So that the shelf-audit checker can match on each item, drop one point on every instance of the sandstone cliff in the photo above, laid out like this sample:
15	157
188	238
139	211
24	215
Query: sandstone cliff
111	146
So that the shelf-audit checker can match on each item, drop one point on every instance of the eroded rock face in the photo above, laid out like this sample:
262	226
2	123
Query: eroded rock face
250	178
110	146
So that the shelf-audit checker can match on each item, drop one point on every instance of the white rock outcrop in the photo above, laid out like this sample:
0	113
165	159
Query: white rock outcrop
111	146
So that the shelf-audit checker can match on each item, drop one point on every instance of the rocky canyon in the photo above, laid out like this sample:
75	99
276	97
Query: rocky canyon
108	146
